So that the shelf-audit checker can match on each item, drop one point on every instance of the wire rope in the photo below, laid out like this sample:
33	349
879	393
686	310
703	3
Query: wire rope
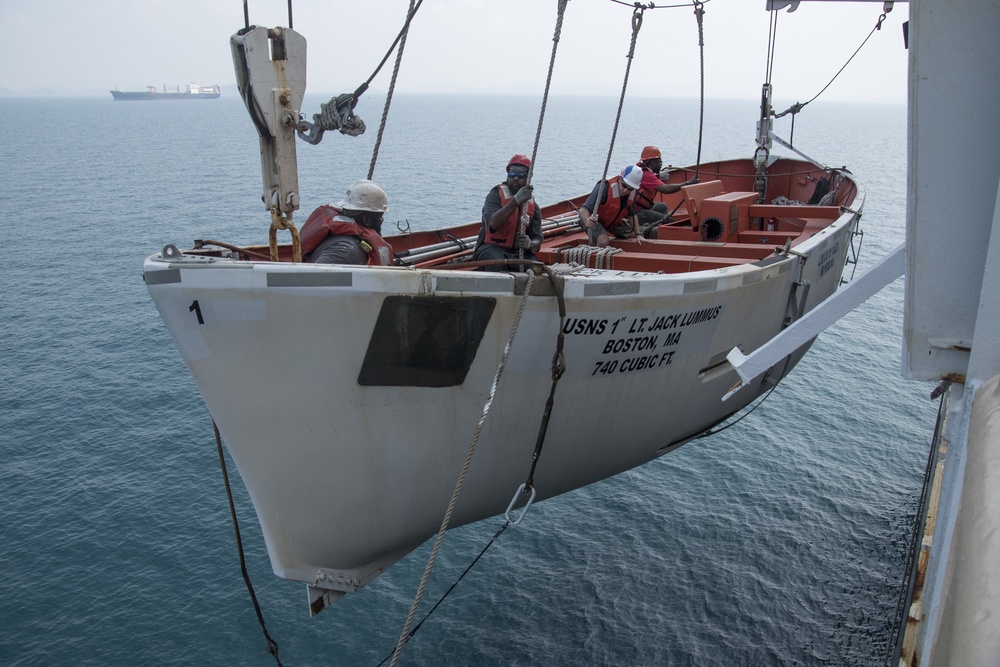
461	477
401	40
561	11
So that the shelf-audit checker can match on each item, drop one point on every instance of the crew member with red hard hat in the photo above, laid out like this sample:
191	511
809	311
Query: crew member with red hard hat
652	213
512	222
615	212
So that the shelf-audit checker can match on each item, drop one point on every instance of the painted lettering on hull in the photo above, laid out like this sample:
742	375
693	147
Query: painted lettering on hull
828	258
643	341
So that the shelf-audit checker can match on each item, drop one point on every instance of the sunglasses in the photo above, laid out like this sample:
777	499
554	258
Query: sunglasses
517	174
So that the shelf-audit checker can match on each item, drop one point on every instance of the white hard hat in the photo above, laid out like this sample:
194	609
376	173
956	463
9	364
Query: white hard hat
632	176
365	196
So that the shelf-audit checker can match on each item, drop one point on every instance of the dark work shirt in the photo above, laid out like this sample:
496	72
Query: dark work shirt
492	205
339	249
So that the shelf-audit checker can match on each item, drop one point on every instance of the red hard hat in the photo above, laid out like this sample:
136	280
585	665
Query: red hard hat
522	160
650	152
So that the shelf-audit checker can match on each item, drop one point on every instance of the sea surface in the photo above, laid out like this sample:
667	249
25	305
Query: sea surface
779	541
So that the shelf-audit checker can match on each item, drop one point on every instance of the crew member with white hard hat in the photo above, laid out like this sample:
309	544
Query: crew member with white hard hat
615	213
350	232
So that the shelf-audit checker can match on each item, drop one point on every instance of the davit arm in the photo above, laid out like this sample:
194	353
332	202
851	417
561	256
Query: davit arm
271	77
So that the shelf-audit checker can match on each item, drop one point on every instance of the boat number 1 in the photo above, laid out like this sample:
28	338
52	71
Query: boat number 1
196	309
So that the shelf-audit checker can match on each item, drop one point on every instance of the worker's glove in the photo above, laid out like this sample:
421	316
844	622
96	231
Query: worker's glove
523	241
524	194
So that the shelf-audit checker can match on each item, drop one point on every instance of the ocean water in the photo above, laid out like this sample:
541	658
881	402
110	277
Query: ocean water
779	541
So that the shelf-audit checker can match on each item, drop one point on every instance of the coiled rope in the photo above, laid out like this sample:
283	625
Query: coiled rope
338	113
587	254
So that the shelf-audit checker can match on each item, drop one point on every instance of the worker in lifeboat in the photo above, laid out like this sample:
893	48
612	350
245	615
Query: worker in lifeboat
512	222
650	212
615	214
350	232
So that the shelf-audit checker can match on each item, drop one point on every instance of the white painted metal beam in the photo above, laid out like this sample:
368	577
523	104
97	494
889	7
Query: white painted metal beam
800	332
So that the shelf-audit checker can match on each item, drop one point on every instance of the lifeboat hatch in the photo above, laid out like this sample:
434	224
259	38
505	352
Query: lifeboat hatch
425	341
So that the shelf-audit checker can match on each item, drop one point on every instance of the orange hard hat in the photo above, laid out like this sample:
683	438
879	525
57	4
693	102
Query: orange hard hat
650	153
520	159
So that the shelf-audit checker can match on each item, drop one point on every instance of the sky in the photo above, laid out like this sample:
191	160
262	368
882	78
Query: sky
73	47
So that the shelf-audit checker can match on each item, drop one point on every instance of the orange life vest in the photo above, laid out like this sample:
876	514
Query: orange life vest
615	207
327	220
504	237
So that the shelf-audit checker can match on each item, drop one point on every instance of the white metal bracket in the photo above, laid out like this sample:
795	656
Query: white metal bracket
271	76
800	332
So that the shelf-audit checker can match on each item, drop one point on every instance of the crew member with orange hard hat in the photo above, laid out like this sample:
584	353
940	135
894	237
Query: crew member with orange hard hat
652	213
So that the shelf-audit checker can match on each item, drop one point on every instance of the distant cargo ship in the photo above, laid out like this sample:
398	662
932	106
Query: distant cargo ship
193	92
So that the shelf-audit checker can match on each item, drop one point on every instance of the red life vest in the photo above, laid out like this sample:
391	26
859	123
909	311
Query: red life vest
504	237
645	197
327	220
616	206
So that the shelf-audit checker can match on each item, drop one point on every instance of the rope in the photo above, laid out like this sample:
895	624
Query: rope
699	12
772	37
338	113
461	477
558	368
246	252
272	646
897	632
746	414
450	589
392	87
560	12
583	254
401	36
650	5
636	24
798	106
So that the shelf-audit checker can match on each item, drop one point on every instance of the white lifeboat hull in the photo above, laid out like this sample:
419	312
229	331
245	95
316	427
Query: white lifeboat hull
346	478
